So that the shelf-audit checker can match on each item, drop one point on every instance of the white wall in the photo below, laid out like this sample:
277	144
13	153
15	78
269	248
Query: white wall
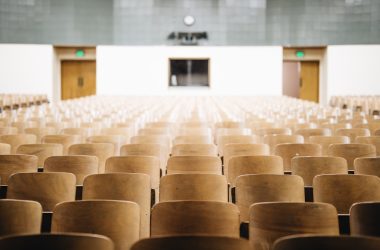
123	70
26	69
353	70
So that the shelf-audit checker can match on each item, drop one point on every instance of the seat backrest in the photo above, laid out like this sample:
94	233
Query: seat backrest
191	243
149	165
367	165
72	241
48	189
194	165
344	190
254	188
240	149
274	140
17	140
192	139
352	133
289	150
101	150
40	132
365	219
206	187
82	132
20	217
125	132
318	242
8	130
118	220
174	218
307	132
270	221
310	166
257	164
79	165
194	150
11	164
230	139
122	186
115	140
326	141
352	151
42	151
163	140
146	149
65	140
374	140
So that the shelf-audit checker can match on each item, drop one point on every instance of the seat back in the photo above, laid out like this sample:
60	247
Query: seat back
48	189
11	164
20	217
344	190
270	221
174	218
310	166
206	187
118	220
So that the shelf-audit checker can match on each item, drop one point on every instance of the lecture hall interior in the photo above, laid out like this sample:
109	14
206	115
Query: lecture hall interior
190	124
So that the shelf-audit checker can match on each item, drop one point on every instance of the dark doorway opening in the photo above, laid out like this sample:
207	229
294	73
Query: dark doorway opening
189	72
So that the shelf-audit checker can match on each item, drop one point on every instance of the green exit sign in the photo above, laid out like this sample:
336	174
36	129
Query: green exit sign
79	53
300	54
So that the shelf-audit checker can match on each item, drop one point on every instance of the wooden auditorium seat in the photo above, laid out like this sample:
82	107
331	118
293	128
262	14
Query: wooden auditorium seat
17	140
42	151
194	165
352	151
11	164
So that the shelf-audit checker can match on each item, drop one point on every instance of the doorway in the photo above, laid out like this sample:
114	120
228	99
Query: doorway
78	78
301	79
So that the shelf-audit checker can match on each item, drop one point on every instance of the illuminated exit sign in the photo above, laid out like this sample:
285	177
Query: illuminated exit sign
79	53
300	54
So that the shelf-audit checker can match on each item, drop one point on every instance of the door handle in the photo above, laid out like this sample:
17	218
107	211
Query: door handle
80	82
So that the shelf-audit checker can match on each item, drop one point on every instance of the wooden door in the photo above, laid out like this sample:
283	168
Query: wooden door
78	78
309	82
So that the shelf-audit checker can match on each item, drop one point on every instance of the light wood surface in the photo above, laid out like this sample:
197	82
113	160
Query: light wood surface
11	164
289	150
367	166
307	132
175	218
40	132
149	165
17	140
65	140
230	139
270	221
122	186
192	139
326	141
352	151
155	150
20	217
274	140
205	187
48	189
344	190
352	133
79	165
374	140
191	243
257	164
254	188
78	78
8	130
118	220
241	149
194	165
194	150
101	150
310	166
115	140
42	151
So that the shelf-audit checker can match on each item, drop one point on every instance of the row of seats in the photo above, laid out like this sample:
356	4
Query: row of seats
15	101
368	104
201	166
